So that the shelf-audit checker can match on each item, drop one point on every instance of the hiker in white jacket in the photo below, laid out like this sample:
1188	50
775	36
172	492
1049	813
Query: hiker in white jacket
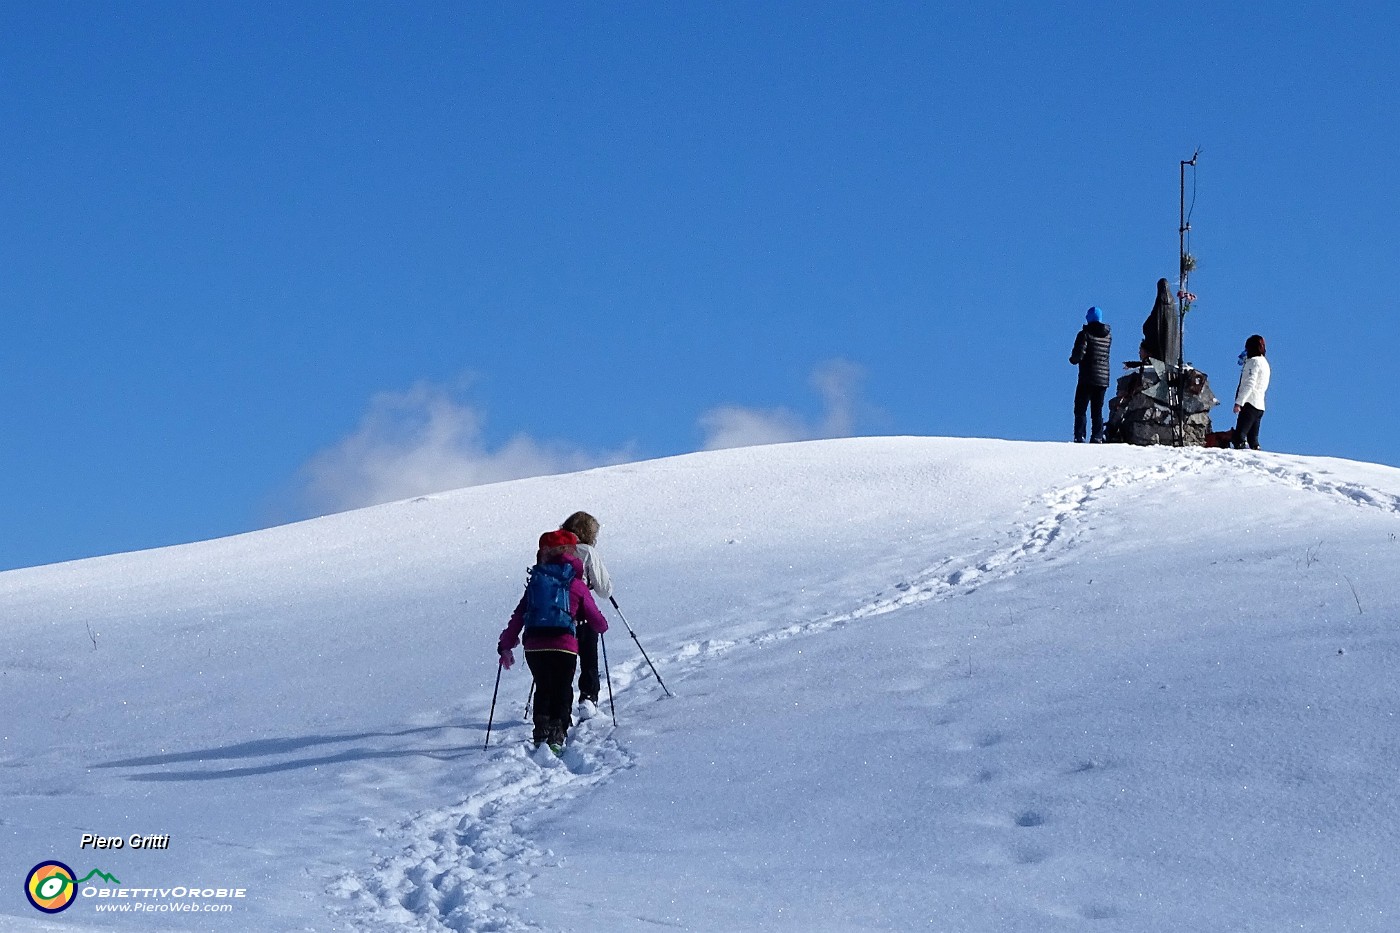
585	527
1249	397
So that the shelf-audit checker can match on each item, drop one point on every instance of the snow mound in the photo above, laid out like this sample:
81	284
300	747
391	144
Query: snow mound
919	683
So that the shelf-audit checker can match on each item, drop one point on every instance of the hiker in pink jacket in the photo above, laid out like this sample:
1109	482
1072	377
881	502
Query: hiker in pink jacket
552	653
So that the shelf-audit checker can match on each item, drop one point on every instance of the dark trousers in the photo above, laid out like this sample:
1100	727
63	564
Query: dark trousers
588	683
1088	398
554	693
1247	428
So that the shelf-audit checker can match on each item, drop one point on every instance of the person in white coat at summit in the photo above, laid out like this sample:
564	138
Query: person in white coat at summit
1249	397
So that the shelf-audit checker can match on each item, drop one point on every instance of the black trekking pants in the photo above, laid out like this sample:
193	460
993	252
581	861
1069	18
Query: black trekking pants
554	693
1088	398
588	682
1247	428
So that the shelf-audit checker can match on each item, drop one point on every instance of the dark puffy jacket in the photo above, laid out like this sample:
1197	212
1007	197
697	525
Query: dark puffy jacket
1091	354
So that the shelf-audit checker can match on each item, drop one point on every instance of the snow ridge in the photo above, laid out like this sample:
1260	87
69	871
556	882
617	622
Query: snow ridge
461	867
1300	478
458	868
1044	537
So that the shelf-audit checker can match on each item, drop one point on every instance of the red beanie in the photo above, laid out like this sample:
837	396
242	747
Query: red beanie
552	539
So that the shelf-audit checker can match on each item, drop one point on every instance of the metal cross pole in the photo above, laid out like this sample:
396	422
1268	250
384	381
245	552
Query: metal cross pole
1184	257
1177	383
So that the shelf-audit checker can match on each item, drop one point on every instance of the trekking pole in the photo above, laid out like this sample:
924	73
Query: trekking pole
603	642
492	718
613	599
528	700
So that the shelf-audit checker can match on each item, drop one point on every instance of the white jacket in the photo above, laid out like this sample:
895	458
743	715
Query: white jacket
594	573
1254	382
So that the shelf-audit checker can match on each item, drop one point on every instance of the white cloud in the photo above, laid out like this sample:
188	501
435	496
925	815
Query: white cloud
731	426
424	441
836	381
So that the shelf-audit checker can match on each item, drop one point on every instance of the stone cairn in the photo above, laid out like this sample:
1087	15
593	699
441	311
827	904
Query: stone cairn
1163	400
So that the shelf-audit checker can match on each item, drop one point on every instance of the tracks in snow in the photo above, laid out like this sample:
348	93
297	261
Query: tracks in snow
1300	478
459	868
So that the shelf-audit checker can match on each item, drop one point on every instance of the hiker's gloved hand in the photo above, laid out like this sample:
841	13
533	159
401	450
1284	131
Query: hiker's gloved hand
507	658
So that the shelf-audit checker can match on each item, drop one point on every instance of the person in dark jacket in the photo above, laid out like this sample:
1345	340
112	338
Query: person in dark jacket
1090	354
553	654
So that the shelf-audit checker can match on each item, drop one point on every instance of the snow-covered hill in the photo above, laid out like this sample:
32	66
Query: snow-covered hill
941	684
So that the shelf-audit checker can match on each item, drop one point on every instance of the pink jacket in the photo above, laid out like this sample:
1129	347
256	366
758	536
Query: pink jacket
581	607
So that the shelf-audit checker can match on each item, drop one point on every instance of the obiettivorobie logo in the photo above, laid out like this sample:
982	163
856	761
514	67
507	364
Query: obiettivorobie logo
52	886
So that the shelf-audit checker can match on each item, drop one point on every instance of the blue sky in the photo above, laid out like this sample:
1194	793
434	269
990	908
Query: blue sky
260	261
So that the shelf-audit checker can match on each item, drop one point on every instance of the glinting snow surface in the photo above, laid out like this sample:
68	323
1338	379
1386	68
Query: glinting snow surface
920	684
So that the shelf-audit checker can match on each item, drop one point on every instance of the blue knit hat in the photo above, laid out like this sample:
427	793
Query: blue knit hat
1093	315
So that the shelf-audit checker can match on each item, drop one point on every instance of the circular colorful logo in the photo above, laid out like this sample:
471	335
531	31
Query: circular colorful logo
50	887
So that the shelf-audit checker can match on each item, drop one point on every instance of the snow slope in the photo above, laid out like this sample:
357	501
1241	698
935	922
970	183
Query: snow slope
919	683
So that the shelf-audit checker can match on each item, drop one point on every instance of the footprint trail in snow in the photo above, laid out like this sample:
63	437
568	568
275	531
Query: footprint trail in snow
461	867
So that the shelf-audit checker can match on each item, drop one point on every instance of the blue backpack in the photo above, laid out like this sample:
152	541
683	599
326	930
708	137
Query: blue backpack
547	600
